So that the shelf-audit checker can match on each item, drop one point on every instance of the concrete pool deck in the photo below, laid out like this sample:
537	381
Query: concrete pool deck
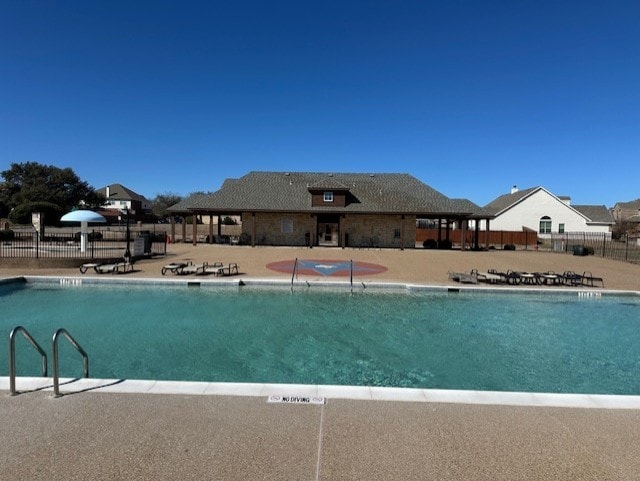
98	434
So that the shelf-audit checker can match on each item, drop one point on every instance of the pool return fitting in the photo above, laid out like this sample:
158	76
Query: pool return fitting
36	346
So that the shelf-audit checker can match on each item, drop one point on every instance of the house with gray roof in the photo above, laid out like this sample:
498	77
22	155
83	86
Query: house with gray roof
627	215
326	209
120	199
539	210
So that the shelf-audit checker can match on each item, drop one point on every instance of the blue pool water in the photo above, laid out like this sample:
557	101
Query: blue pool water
542	342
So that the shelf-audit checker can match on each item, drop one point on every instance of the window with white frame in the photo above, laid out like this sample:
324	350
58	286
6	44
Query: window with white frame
545	225
560	228
328	196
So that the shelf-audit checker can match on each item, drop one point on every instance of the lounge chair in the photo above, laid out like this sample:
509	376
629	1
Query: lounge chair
548	278
529	278
214	268
504	278
513	277
570	278
232	268
589	279
464	277
115	268
174	267
193	269
488	277
89	265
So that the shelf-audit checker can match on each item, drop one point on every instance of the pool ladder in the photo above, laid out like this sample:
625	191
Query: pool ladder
36	346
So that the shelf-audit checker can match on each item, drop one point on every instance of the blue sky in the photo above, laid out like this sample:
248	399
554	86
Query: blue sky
471	97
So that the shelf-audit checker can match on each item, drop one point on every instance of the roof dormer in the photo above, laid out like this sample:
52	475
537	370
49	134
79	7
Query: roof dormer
328	192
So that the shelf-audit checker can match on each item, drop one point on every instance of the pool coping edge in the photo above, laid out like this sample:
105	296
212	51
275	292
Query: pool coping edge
27	385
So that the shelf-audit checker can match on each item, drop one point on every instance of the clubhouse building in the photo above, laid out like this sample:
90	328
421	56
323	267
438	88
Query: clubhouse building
328	209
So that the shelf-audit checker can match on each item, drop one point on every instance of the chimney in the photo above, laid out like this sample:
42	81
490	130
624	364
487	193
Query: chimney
514	189
106	194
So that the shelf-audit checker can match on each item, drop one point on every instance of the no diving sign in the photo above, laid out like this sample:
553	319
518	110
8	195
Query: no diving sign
296	399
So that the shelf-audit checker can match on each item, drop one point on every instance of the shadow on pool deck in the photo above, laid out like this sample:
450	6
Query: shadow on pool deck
94	435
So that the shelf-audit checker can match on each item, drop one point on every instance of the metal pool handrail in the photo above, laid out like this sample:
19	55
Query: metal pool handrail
293	273
12	356
74	343
351	275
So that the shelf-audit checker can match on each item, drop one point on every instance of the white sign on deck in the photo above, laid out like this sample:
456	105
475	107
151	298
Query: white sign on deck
296	399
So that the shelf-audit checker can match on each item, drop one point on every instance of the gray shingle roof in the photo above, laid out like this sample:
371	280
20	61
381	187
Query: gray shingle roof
184	204
507	200
289	192
120	192
465	205
631	205
595	213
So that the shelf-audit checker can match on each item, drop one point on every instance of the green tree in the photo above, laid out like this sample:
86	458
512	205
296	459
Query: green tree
31	182
162	202
21	214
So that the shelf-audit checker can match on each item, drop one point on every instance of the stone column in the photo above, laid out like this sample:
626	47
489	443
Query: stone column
253	229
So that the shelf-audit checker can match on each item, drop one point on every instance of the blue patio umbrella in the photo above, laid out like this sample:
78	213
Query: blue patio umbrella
84	217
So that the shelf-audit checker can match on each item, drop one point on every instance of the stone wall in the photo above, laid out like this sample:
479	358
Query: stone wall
365	230
379	230
281	229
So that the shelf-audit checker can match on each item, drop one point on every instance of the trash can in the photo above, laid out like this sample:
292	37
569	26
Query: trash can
146	235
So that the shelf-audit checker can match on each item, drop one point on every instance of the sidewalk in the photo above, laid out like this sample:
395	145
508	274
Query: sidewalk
99	436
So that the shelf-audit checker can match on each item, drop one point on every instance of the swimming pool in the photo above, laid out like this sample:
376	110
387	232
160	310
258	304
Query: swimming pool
536	342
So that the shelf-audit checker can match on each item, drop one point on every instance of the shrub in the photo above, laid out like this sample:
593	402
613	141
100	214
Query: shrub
509	247
7	235
93	236
589	250
430	244
445	244
244	239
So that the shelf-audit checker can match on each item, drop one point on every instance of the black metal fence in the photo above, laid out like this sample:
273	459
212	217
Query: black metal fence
599	244
103	243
